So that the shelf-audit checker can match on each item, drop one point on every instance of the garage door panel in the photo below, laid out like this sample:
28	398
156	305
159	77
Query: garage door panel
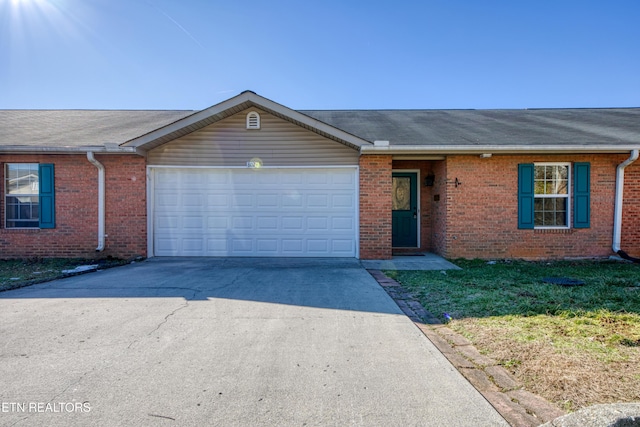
265	201
318	223
167	245
292	223
345	201
217	200
267	223
242	246
342	246
291	246
217	246
267	212
292	200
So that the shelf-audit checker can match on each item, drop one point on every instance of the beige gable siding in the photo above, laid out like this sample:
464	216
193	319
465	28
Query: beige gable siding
229	143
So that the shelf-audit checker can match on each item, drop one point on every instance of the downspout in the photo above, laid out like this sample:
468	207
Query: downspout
617	219
100	167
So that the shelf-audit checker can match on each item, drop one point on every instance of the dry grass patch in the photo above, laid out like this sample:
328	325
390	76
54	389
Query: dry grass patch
575	346
17	273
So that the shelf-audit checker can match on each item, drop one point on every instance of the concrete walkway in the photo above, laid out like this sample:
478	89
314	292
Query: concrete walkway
224	342
426	261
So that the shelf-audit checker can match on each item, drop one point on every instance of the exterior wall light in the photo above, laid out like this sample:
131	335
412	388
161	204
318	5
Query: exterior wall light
429	180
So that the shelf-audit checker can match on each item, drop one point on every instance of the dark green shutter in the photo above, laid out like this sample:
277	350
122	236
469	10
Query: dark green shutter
525	196
47	196
581	195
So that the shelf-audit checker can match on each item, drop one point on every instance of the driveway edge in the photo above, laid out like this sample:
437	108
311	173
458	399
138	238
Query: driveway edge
519	407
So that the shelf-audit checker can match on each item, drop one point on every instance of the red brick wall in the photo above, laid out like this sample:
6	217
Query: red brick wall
76	232
440	208
375	207
482	218
630	241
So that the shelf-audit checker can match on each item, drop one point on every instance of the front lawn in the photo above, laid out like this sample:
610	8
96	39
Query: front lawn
573	345
18	273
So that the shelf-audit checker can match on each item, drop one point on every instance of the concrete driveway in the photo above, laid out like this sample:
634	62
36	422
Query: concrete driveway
229	342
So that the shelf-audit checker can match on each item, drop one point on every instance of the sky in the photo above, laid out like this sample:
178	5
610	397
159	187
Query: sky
330	54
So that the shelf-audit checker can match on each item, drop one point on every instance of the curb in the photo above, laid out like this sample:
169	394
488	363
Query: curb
517	406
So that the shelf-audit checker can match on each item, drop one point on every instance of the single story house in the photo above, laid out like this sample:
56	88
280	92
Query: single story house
251	177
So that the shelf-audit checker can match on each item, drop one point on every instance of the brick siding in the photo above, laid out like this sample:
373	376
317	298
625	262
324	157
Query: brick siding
479	218
483	217
439	208
630	241
375	207
76	192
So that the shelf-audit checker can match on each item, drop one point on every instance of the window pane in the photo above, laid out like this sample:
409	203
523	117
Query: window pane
22	178
549	218
401	200
550	212
551	179
22	211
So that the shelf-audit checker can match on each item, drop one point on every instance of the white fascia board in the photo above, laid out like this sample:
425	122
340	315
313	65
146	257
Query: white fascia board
259	102
23	149
188	121
497	149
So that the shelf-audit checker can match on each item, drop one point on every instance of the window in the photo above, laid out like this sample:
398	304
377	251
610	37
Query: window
551	195
22	208
548	193
29	195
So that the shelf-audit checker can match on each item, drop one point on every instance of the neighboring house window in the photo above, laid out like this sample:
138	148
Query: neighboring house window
253	120
547	191
29	195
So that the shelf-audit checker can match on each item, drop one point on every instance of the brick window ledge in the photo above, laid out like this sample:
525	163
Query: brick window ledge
554	231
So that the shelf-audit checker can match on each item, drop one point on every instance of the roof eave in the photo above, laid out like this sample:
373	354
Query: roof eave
23	149
232	106
500	149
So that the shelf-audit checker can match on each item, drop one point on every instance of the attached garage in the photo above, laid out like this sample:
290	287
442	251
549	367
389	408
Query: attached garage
289	212
254	181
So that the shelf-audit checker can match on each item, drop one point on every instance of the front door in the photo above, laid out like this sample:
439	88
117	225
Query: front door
405	210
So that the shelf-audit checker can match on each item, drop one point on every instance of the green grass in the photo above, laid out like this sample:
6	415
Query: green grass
18	273
575	346
516	287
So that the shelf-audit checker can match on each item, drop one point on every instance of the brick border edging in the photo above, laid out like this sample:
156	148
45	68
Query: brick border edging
517	406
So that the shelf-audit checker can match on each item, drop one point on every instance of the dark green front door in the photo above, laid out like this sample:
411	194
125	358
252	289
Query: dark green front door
404	196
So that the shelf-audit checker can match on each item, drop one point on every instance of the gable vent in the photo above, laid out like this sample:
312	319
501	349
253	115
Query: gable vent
253	120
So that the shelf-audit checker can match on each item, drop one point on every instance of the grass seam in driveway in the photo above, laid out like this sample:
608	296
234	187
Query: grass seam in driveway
516	405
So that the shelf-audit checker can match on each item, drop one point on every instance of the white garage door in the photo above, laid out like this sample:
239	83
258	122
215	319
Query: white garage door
307	212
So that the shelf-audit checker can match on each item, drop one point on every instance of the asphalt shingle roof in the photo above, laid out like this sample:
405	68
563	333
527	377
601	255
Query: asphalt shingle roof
79	128
489	127
74	128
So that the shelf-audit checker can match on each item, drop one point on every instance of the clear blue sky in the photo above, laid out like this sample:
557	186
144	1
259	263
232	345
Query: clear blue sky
330	54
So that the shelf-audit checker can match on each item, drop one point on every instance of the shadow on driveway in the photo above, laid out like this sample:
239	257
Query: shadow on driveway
333	283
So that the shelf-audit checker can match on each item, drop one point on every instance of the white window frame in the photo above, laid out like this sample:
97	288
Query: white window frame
7	195
548	196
